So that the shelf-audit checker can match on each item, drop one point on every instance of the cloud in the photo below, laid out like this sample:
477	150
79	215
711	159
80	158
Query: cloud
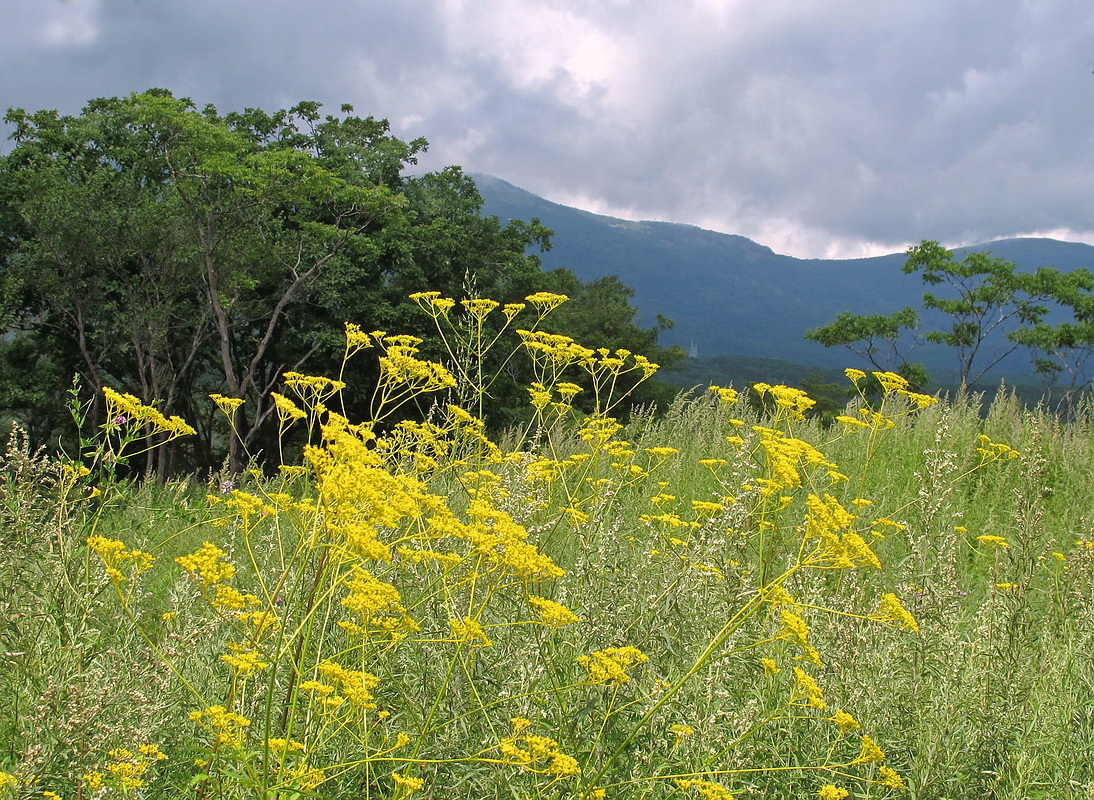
819	127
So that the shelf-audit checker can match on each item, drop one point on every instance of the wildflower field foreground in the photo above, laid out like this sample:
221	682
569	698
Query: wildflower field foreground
714	603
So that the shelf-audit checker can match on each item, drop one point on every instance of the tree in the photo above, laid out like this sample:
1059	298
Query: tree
174	252
877	338
990	294
1066	348
154	230
988	298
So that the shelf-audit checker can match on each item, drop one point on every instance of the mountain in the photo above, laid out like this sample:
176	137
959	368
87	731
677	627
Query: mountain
729	295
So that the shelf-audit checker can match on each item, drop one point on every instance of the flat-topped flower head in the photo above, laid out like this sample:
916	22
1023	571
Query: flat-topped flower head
611	665
546	301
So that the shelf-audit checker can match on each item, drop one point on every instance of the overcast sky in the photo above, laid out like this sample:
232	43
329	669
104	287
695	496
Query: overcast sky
817	127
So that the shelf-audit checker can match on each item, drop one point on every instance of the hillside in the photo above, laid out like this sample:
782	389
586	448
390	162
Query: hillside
729	295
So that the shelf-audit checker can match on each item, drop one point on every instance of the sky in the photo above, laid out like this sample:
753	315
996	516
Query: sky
820	128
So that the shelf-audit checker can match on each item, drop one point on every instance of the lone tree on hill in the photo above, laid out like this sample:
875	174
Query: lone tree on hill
983	297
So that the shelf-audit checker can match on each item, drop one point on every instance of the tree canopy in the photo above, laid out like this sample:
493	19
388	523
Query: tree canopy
979	298
175	252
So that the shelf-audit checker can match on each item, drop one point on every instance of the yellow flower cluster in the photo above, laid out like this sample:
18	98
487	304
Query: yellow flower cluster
504	543
552	614
845	722
127	770
994	451
227	726
356	686
805	688
785	457
408	782
469	631
312	388
307	777
116	556
205	566
707	790
825	518
546	301
432	303
555	350
793	402
871	753
356	339
887	776
892	610
376	606
125	409
540	754
611	665
244	660
400	367
724	394
794	627
288	412
226	404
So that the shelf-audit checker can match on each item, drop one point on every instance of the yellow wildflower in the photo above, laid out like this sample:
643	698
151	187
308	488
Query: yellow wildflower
376	605
228	726
356	686
806	688
892	610
226	404
408	782
287	411
890	777
551	613
725	394
707	790
845	722
891	381
546	301
870	751
470	632
611	665
205	566
356	338
244	660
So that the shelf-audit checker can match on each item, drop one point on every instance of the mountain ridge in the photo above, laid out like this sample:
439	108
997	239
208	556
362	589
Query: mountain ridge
730	295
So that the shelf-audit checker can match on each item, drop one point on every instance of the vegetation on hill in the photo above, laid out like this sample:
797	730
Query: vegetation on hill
731	296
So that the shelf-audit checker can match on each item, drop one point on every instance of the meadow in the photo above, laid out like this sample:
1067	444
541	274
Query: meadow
727	600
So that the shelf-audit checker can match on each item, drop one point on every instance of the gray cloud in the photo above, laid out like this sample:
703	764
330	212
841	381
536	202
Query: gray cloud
817	127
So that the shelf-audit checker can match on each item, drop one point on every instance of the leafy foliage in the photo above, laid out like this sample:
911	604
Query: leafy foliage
875	337
984	296
176	252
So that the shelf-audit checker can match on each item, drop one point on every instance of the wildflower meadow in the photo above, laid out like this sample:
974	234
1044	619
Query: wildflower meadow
725	600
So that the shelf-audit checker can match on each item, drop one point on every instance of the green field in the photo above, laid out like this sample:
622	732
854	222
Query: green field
716	602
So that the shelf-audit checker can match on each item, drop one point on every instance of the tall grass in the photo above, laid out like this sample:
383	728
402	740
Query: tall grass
716	602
